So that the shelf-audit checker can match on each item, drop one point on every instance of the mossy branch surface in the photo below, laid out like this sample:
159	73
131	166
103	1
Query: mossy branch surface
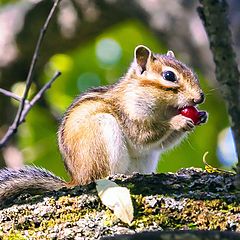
214	17
190	199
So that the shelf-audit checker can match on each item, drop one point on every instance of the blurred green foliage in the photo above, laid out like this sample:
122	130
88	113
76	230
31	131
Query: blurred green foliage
2	2
91	65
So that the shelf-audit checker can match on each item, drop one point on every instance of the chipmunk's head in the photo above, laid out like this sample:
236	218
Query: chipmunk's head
169	80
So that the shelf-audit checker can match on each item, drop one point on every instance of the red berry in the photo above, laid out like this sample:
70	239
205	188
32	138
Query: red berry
193	113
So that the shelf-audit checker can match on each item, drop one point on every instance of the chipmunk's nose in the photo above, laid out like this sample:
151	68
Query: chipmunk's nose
200	99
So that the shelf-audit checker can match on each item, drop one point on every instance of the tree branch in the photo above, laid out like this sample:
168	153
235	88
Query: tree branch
24	108
32	66
11	94
214	17
38	96
186	200
27	107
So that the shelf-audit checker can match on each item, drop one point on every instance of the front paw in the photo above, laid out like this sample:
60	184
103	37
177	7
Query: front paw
181	123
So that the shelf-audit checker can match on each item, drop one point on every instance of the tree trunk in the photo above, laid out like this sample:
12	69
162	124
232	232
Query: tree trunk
214	16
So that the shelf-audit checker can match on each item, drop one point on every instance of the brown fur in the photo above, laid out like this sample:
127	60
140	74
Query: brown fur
81	142
118	128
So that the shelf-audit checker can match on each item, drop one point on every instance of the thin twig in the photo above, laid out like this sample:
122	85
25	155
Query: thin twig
27	107
32	66
24	108
38	96
10	94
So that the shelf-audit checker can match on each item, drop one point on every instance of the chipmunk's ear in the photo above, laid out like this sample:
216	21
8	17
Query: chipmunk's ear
170	54
142	56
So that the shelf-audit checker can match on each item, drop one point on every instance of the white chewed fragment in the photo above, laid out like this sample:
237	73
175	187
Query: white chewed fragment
116	198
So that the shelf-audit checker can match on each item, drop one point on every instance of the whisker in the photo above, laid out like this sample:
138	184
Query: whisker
190	144
210	91
208	94
213	89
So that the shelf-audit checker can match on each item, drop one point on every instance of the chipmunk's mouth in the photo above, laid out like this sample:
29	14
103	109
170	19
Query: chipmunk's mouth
186	105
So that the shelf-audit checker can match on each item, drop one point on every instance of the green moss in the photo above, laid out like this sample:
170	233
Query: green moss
172	202
130	186
109	218
13	235
185	213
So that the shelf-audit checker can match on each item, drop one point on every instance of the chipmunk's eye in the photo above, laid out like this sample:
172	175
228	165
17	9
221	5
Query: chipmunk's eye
169	76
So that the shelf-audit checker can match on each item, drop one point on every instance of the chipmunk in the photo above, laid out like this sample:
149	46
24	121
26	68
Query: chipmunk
120	128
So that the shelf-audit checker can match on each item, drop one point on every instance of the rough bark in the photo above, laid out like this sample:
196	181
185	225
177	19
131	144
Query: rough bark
177	235
191	199
214	16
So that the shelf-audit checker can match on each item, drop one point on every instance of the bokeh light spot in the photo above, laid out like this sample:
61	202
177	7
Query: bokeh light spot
108	51
88	80
18	88
61	62
226	148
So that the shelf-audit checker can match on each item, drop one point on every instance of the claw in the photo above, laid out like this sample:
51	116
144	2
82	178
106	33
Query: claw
203	117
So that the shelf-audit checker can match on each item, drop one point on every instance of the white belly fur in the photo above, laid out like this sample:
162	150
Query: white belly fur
123	156
146	163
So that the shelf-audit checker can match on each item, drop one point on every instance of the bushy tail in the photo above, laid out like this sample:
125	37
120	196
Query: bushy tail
27	179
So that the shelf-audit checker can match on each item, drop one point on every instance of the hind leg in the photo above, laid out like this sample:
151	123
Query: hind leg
95	149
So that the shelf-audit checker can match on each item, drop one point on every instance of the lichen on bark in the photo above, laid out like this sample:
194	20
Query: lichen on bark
191	199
